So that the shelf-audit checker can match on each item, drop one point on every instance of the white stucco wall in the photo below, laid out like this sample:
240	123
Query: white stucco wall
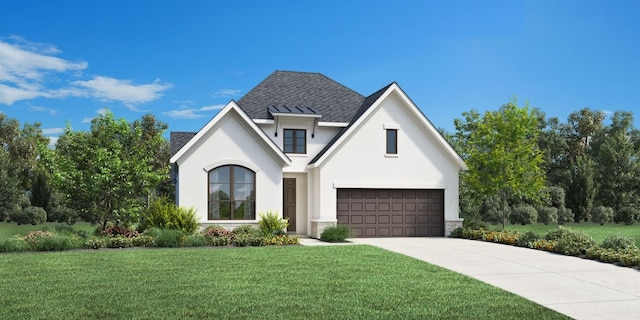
230	141
360	161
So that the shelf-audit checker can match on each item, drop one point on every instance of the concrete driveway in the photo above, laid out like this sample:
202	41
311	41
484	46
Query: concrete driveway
579	288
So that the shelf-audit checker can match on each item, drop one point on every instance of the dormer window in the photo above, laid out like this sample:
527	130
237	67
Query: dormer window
295	141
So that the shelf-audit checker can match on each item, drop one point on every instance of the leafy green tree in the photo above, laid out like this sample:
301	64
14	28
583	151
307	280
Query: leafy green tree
502	153
581	190
107	173
616	149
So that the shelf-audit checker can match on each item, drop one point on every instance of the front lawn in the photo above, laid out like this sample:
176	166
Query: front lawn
294	282
596	231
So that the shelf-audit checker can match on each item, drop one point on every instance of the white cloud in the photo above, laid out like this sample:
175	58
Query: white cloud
28	70
50	111
193	113
125	91
50	131
52	141
225	93
100	111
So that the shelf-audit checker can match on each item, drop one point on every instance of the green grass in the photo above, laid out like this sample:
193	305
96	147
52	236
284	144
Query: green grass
596	231
333	282
8	230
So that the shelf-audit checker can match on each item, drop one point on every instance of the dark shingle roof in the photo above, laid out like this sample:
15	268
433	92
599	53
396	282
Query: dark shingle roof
178	139
366	104
335	102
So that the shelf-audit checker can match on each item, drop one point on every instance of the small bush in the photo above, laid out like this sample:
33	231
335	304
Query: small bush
456	233
119	242
523	214
143	240
504	237
50	241
216	231
547	215
14	244
556	234
279	240
271	222
164	214
114	231
619	242
626	215
195	240
218	241
565	215
573	243
169	238
337	233
245	228
28	215
528	239
95	243
474	224
602	214
246	239
62	214
624	257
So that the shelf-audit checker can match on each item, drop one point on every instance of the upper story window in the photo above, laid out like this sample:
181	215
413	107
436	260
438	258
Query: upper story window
392	141
232	193
295	141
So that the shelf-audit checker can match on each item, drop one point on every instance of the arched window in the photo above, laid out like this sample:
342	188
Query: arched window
232	193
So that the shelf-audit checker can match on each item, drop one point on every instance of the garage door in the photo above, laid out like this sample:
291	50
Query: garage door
391	212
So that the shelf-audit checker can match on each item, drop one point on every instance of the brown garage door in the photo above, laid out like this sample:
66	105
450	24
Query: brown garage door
392	212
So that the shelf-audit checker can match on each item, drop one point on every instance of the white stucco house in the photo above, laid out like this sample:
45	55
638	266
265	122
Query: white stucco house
320	154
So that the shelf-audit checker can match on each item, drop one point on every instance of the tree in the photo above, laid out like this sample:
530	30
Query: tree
581	190
107	173
501	151
616	149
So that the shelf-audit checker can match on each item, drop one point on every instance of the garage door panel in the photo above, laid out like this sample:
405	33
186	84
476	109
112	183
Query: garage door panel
391	212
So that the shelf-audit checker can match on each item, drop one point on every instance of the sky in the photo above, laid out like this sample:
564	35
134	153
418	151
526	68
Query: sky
64	62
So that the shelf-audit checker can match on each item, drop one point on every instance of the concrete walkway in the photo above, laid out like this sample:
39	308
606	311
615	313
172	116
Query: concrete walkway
579	288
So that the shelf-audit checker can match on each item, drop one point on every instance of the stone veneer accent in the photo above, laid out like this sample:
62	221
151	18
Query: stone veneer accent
228	225
449	225
317	226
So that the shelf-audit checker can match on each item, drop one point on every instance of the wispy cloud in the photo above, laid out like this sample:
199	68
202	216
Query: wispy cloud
29	70
193	113
50	131
125	91
50	111
225	93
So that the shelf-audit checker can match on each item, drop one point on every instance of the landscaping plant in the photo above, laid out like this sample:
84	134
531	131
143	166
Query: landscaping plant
271	222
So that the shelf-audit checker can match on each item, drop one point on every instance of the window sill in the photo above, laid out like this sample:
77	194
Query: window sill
390	155
297	155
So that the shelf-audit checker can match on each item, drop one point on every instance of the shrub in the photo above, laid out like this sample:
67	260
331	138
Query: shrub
245	228
271	222
625	257
247	239
627	215
14	244
546	245
528	239
195	240
279	240
565	215
523	214
574	243
143	240
619	242
547	215
504	237
50	241
456	233
216	231
474	224
62	214
164	214
119	242
337	233
29	215
169	238
218	241
602	214
95	243
114	231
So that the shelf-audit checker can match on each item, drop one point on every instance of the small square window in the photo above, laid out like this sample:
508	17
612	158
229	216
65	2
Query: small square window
392	141
295	141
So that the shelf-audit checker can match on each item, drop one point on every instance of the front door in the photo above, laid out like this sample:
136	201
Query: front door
289	202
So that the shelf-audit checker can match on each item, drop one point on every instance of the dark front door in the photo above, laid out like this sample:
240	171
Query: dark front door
289	201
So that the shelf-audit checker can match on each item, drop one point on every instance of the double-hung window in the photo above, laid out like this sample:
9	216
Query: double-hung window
295	141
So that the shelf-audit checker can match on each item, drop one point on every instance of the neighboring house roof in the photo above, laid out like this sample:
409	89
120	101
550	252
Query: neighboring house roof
178	139
232	107
368	106
332	100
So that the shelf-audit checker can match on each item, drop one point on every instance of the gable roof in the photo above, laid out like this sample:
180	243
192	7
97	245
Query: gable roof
231	107
178	139
333	101
371	103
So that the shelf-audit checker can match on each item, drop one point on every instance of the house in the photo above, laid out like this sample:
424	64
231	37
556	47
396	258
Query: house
320	153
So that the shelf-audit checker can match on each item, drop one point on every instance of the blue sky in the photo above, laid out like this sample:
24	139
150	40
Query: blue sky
65	61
